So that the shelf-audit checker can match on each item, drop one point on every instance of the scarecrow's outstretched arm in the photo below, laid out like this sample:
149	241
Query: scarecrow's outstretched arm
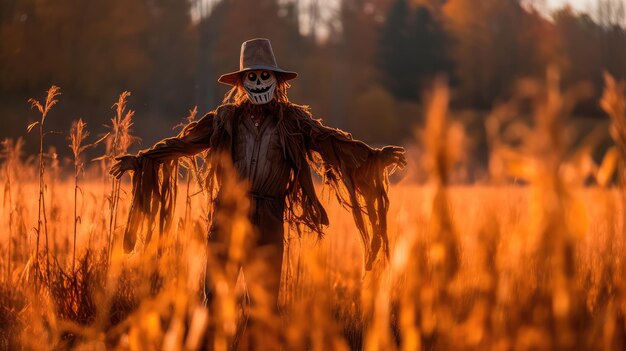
154	178
358	174
191	140
194	138
336	146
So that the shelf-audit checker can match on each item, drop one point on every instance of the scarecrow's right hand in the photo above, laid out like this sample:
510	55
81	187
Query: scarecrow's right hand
393	155
123	164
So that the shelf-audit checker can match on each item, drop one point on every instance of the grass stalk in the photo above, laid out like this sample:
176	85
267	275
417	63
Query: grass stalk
9	154
78	134
121	141
44	109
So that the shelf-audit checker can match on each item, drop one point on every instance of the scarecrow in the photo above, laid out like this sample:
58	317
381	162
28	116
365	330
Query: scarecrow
272	144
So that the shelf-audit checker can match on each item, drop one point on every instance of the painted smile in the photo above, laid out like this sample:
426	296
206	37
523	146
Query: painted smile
260	90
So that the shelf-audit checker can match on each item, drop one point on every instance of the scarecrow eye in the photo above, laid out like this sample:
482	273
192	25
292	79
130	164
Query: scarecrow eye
252	76
265	75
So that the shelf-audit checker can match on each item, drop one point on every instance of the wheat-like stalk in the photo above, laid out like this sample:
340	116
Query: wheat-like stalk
78	134
121	139
9	153
44	109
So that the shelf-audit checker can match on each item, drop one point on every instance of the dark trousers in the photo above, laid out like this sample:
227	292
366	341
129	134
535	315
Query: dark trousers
266	246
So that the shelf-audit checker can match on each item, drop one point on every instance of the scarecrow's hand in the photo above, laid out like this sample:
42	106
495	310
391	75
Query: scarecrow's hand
123	164
393	155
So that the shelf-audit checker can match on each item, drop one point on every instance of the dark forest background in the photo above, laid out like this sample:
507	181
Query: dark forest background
364	65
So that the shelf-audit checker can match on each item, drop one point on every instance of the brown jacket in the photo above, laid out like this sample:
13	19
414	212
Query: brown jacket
298	142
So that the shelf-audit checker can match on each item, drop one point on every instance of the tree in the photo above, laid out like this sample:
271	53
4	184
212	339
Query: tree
581	43
88	48
412	49
170	44
496	42
95	50
611	13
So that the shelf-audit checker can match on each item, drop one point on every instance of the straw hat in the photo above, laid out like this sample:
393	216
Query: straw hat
256	54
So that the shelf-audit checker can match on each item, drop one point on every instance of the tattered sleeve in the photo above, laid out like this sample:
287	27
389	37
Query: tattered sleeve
359	178
154	183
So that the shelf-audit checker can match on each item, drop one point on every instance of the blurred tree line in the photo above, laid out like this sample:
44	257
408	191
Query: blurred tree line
364	64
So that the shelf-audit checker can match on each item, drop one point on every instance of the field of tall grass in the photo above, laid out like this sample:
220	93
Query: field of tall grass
530	259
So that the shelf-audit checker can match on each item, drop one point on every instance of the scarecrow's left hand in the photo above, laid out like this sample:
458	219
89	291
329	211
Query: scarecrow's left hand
123	164
393	155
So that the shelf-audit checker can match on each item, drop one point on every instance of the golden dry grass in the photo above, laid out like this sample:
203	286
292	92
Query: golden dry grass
493	266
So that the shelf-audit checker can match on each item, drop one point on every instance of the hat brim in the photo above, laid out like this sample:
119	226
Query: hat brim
233	77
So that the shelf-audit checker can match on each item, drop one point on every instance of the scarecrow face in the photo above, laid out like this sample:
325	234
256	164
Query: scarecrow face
260	86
